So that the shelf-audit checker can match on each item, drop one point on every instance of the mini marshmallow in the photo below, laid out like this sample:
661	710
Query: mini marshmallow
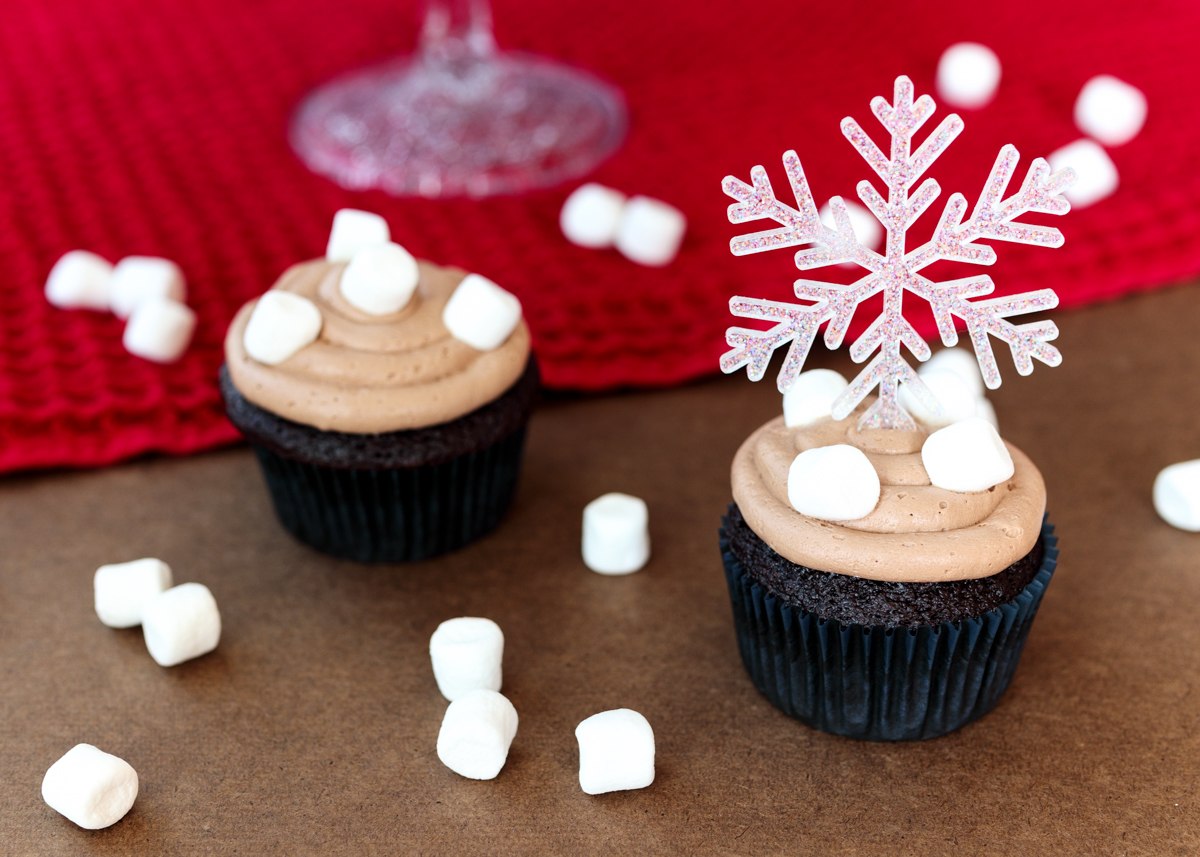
481	314
968	75
1095	173
124	588
281	324
650	231
591	215
1177	495
352	231
985	411
80	280
966	456
139	278
159	330
181	624
380	279
1110	110
467	655
867	228
616	534
616	752
833	483
962	363
953	394
92	788
476	733
811	397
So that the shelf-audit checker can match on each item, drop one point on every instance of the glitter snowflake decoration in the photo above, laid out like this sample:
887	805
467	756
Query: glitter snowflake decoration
896	270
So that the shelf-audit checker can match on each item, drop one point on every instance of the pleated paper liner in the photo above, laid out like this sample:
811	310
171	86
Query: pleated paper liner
879	683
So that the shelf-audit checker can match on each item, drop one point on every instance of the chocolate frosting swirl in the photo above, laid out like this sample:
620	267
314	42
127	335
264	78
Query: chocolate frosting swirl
367	374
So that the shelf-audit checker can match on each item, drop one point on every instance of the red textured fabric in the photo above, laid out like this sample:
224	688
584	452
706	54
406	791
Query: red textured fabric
158	128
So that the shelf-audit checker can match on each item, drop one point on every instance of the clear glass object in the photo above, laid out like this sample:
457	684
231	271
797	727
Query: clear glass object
459	117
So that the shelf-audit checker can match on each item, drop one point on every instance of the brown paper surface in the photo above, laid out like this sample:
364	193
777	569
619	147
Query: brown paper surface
311	730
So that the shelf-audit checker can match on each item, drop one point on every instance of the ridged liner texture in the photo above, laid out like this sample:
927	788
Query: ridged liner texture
879	683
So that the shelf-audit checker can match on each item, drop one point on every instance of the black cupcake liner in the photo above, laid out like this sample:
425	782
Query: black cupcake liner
395	514
879	683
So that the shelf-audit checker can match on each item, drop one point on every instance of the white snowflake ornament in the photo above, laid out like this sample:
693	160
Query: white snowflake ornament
897	269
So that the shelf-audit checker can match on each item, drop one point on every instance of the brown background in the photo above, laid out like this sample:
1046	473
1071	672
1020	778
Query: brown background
311	729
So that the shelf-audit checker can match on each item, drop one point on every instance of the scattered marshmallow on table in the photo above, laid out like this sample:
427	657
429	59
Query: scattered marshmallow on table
380	279
867	228
281	324
140	278
481	314
181	623
1177	495
476	733
1109	110
833	483
811	396
92	788
591	214
616	534
650	231
953	394
962	363
968	75
467	654
616	752
159	330
966	456
1095	173
122	589
352	231
80	280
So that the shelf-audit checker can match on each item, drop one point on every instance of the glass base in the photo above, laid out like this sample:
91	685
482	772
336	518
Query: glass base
511	123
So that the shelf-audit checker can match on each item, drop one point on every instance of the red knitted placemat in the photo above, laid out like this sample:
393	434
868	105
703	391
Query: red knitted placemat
138	128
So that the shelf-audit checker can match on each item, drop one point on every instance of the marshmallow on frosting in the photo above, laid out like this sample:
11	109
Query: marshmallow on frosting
481	314
962	363
352	231
811	396
833	483
966	456
380	279
282	323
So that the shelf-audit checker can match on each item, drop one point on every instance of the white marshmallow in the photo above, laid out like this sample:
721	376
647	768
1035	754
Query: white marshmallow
80	280
616	752
476	733
867	228
811	397
591	214
467	654
968	75
92	788
955	396
962	363
181	624
281	324
124	588
833	483
985	411
1095	173
139	278
159	330
481	314
650	231
352	231
1110	110
616	534
380	279
1177	495
966	456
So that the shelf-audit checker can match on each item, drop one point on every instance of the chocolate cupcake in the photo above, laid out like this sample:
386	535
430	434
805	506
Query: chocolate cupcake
387	435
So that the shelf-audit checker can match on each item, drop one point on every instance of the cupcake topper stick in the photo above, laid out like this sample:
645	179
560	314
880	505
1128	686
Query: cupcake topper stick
896	270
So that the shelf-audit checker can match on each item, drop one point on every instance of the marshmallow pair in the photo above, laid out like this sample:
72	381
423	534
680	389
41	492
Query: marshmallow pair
147	291
92	788
1177	495
616	534
1111	113
644	230
179	622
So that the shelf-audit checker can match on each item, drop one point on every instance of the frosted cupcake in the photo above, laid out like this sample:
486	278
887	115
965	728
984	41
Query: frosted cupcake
386	399
884	570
